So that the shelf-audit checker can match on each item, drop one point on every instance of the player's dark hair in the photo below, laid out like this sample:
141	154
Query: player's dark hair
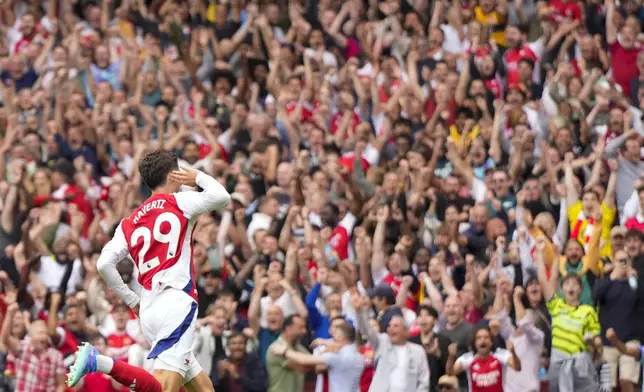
156	166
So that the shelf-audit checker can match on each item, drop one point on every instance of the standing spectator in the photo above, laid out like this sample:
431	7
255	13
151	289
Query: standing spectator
274	317
485	367
457	330
402	366
574	326
342	361
527	341
39	367
241	370
435	345
285	375
617	298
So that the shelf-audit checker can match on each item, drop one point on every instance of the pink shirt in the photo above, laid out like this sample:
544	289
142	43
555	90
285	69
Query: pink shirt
528	344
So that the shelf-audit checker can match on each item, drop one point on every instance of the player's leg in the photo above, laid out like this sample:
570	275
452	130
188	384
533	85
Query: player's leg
200	383
88	360
169	380
173	357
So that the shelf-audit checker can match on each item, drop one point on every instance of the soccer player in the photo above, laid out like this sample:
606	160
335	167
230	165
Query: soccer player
158	236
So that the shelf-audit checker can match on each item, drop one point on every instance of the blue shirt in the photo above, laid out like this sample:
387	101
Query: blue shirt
318	322
266	337
345	369
27	80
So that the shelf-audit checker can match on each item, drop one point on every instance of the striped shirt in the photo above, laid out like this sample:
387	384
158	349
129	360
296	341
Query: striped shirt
570	324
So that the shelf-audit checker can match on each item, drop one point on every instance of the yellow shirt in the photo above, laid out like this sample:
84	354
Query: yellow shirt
495	21
570	324
582	230
456	135
550	253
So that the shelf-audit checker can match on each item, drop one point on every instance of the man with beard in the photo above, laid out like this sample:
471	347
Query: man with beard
190	158
21	38
484	367
339	238
449	195
285	375
343	363
519	50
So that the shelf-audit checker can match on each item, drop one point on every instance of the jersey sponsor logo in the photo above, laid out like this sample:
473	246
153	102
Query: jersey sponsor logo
486	379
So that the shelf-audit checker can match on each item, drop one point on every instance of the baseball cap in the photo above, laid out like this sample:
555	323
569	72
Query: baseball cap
382	290
448	381
238	197
618	231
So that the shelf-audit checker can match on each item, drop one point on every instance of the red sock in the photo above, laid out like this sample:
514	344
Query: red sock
134	378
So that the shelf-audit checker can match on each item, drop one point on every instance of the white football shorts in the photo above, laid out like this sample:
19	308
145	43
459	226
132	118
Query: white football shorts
168	322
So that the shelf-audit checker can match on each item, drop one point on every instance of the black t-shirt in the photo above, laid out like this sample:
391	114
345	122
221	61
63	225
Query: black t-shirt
227	30
443	202
436	364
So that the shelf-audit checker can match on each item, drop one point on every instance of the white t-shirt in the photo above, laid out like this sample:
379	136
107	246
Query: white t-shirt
398	377
284	302
51	274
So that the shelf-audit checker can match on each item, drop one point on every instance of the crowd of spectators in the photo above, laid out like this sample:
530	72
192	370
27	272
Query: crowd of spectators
427	195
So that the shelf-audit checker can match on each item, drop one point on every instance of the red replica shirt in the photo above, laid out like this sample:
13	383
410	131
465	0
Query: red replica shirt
119	344
68	343
565	11
339	241
635	223
512	56
485	374
623	65
337	119
395	282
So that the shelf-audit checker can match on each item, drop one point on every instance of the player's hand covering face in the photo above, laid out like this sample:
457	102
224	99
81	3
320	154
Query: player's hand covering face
184	177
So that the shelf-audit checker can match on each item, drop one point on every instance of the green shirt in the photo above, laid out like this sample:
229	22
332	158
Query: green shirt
570	324
280	377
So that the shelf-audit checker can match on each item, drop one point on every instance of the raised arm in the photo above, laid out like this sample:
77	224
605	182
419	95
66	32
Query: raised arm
549	286
254	309
10	342
571	192
611	29
609	197
378	255
213	197
360	304
533	333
